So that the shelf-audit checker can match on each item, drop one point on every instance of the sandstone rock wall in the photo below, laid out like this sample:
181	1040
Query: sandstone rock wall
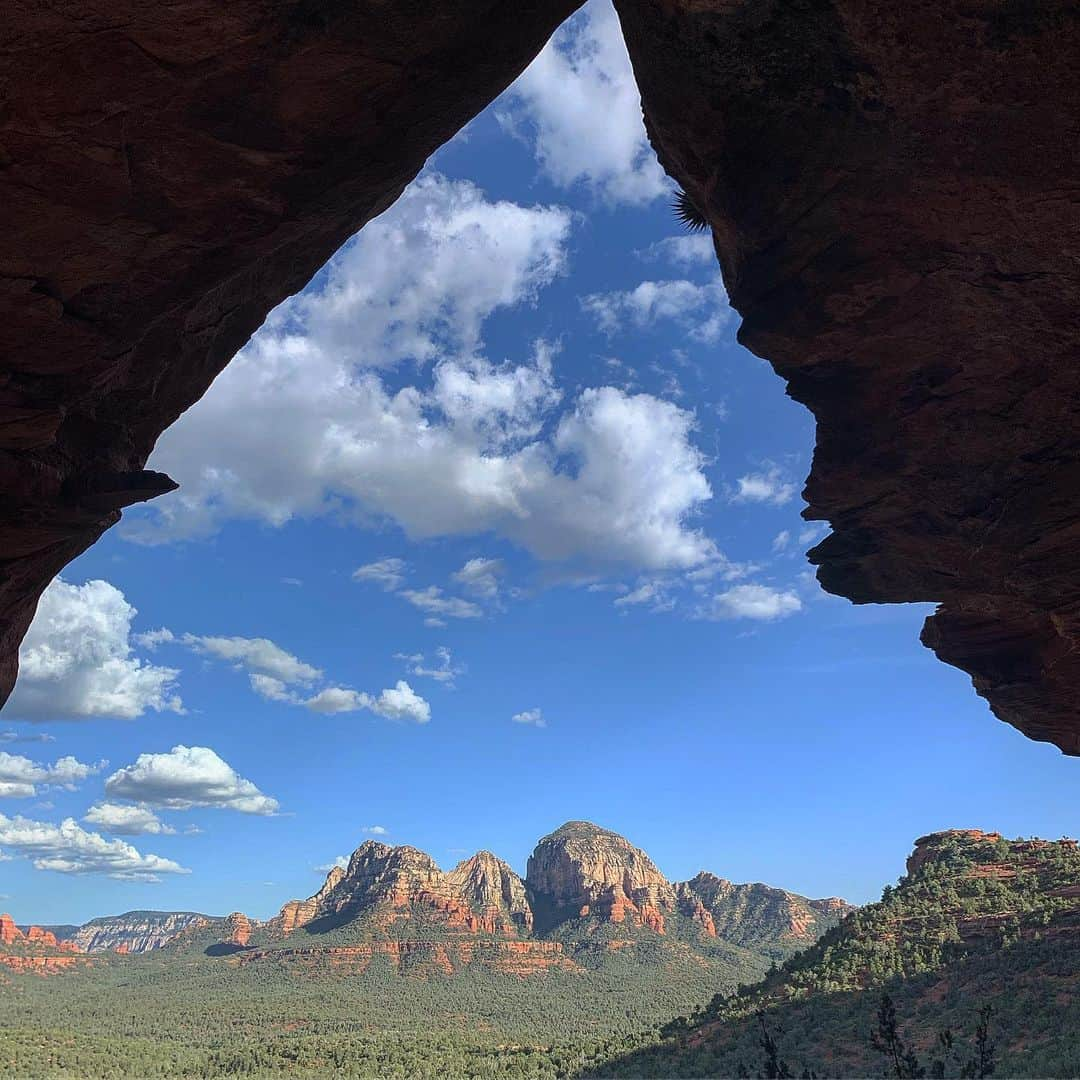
136	931
893	193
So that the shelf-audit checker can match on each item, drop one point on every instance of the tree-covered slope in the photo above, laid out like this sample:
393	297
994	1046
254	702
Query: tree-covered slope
978	921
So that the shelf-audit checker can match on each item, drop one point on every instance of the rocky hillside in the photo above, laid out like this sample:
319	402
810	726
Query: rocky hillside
132	932
35	950
588	893
758	916
976	921
589	898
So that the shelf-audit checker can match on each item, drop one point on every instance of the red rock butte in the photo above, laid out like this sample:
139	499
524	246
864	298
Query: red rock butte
36	952
891	189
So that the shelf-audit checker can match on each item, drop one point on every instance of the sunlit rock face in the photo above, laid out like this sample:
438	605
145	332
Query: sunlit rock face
396	885
583	884
494	891
581	869
9	932
758	915
35	951
136	931
892	193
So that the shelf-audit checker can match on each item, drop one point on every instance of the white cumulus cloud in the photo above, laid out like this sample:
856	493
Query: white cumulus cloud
121	820
299	425
769	485
185	777
256	655
702	309
77	660
399	702
753	601
67	848
579	107
20	777
694	249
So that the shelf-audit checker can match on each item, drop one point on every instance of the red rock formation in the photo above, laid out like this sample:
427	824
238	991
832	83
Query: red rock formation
490	888
36	952
9	932
892	190
480	895
927	848
693	908
581	868
238	929
43	937
40	965
520	958
294	914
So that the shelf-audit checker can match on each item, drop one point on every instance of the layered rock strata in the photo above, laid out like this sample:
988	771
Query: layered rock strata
136	931
585	886
35	951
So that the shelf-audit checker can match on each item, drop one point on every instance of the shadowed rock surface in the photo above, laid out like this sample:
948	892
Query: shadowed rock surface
893	190
894	194
168	174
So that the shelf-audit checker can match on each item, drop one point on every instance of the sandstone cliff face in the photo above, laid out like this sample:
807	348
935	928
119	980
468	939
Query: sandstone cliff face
9	932
892	190
238	929
36	951
581	869
495	892
480	895
758	916
136	931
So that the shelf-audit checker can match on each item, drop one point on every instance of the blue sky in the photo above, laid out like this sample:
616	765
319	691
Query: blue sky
493	527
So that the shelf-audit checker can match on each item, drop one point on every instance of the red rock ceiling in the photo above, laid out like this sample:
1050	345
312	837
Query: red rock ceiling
894	193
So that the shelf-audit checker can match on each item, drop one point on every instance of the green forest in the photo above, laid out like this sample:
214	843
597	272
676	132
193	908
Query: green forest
985	927
975	952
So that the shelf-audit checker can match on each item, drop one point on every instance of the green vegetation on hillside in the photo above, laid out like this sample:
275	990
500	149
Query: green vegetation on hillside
968	967
179	1012
982	922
